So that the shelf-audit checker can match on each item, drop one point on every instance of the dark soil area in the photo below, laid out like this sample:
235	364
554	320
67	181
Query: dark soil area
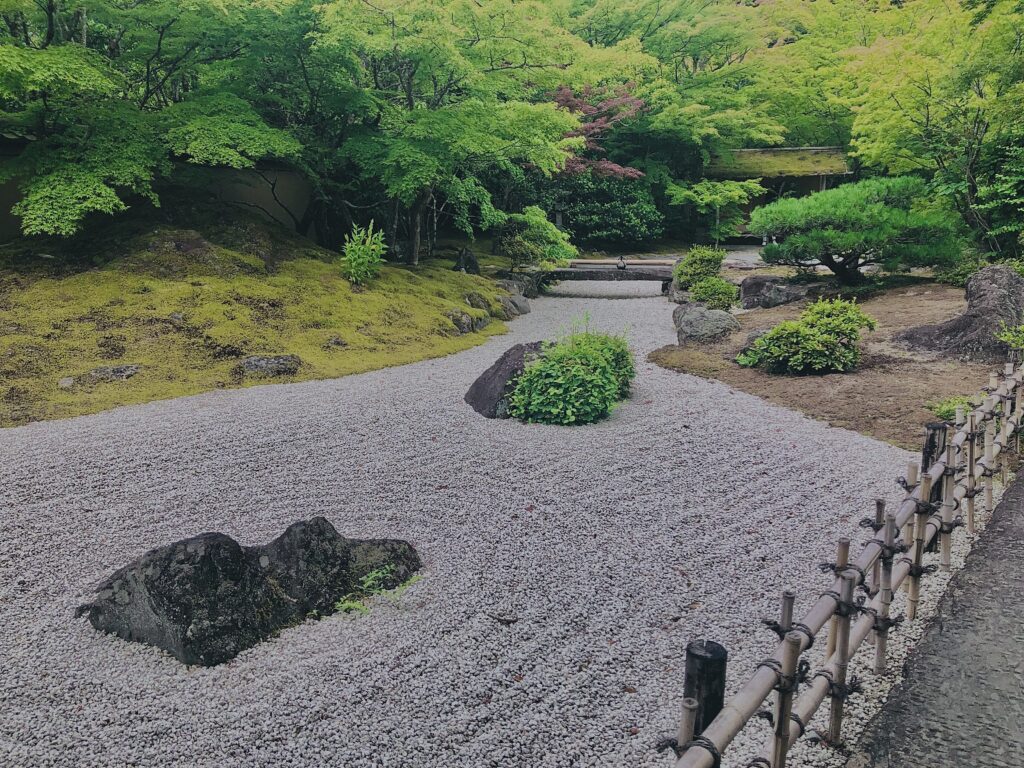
886	398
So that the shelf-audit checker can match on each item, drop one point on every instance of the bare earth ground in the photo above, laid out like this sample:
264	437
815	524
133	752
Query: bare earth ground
886	398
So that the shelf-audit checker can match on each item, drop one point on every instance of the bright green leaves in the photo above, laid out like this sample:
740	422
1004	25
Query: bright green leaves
58	73
579	380
90	168
723	201
222	129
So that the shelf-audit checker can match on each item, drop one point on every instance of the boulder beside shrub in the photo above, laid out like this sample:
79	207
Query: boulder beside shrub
695	322
489	394
207	598
995	298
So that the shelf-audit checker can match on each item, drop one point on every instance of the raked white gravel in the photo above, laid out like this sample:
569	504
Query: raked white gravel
565	568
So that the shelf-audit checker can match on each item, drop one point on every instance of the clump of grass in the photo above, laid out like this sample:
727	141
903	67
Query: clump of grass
946	409
372	584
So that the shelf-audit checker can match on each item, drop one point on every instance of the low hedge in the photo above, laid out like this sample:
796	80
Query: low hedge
578	380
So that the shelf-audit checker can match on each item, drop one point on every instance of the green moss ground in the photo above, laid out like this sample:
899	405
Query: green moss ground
186	306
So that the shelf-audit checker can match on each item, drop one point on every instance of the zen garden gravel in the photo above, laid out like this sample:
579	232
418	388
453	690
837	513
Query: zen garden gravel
565	568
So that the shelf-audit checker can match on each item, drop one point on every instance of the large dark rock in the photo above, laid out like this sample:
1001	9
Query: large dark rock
467	262
995	296
489	394
766	291
207	598
695	322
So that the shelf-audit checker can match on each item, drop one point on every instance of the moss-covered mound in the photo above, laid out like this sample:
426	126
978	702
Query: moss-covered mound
190	306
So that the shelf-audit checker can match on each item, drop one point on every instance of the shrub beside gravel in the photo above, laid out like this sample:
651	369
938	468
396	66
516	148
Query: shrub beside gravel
579	380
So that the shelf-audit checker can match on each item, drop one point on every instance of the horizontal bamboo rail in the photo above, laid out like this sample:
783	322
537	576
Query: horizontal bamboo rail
975	473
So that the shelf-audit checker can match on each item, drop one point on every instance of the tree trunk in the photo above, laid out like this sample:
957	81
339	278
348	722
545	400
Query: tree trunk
416	229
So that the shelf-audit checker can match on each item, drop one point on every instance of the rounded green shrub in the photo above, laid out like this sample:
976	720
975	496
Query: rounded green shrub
579	380
823	340
715	293
701	262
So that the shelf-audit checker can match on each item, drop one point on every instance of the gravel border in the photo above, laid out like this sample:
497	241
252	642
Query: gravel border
565	568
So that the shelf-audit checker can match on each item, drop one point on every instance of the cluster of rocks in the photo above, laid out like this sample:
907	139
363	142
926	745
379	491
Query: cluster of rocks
207	598
995	298
489	394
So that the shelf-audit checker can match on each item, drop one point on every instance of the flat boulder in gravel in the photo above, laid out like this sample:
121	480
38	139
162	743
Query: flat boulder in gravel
695	322
207	598
489	393
270	365
995	296
766	291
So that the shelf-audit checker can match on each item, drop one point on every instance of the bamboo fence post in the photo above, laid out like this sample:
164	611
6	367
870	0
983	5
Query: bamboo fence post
908	527
948	505
885	593
990	466
787	688
879	522
704	680
842	653
785	623
687	722
842	560
972	465
921	514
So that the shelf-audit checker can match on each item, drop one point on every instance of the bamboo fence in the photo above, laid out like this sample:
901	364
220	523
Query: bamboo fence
967	466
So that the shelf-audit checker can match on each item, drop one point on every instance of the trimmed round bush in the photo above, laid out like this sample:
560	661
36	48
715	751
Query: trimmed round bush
579	380
701	262
823	340
715	293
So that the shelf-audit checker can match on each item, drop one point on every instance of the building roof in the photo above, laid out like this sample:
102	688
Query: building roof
777	162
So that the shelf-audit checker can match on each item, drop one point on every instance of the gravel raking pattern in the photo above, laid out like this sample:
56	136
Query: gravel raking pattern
565	568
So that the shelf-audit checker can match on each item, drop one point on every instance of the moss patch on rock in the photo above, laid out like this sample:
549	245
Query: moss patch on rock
187	306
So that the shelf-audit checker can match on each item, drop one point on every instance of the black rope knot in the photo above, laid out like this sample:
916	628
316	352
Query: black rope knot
800	723
805	631
760	762
783	683
707	745
917	571
925	507
840	690
889	551
952	525
846	609
903	483
764	714
870	522
775	627
838	570
885	623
